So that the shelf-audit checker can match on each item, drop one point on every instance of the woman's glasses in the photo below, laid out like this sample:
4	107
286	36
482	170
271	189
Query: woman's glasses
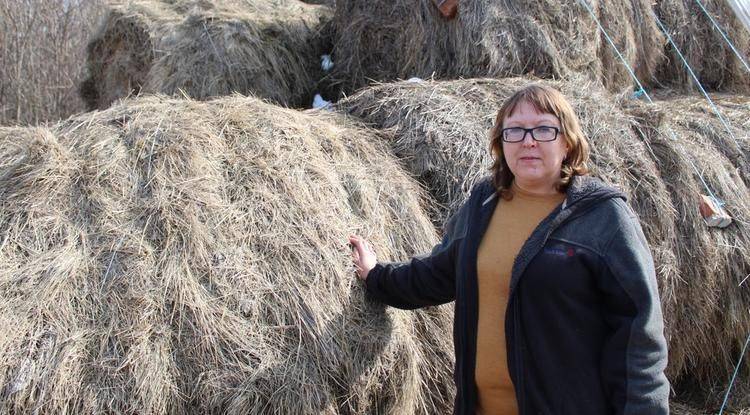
541	133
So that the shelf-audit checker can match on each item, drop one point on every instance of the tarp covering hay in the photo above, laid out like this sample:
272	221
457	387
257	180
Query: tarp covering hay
549	39
208	49
172	256
441	135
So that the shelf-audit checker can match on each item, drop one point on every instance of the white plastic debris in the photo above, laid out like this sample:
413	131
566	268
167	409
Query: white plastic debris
326	63
319	102
415	80
22	377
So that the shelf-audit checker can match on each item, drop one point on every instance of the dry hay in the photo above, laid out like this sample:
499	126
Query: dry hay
441	136
331	3
685	136
170	256
548	39
551	39
694	112
683	409
708	54
207	49
676	408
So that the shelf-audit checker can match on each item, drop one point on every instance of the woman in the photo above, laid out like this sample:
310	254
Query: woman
556	302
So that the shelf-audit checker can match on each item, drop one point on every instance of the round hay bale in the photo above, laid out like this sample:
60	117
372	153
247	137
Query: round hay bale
705	49
207	49
441	136
694	112
713	263
550	39
169	256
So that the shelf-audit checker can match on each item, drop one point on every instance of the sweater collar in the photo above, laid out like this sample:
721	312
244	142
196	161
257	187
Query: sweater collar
583	191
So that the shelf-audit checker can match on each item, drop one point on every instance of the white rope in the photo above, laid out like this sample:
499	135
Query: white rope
724	35
698	82
674	137
734	376
643	91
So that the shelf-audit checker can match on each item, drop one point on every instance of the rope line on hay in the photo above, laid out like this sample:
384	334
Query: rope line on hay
642	91
695	78
734	376
726	125
724	35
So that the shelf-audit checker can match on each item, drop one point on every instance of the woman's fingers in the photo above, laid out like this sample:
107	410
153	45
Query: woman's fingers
355	255
357	252
363	243
359	246
363	255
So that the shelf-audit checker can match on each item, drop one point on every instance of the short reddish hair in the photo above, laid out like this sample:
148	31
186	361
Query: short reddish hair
548	100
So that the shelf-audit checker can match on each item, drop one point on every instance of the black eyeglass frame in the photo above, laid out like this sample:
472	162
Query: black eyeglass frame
529	131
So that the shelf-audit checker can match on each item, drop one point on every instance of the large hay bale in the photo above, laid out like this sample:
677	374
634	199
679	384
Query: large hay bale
703	46
694	112
206	49
551	39
548	39
170	256
685	136
441	136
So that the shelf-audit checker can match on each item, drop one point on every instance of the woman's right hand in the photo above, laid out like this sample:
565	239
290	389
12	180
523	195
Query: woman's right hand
362	255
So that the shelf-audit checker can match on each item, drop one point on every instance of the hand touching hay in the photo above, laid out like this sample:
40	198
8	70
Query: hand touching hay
363	256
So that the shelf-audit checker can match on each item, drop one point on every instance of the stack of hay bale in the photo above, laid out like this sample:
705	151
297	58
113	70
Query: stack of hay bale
549	38
186	253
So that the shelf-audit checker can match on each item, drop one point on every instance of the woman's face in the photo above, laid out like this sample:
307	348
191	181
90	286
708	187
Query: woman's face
535	165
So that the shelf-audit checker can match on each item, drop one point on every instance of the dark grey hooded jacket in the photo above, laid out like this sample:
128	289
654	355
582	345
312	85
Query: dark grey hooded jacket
584	326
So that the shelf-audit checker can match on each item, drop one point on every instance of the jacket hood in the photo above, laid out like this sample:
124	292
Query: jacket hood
586	191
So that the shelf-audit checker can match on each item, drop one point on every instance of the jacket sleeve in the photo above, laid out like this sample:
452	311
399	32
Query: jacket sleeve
635	352
425	280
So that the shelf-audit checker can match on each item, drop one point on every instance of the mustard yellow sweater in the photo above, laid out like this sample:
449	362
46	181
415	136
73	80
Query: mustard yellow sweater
512	223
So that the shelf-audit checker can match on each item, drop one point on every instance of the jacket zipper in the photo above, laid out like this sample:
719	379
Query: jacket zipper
519	359
518	349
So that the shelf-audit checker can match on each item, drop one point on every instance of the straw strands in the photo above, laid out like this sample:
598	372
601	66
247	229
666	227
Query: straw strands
550	39
547	39
207	49
682	409
706	51
171	256
713	262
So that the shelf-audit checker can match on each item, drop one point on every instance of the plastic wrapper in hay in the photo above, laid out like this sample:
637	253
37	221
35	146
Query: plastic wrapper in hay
713	213
448	8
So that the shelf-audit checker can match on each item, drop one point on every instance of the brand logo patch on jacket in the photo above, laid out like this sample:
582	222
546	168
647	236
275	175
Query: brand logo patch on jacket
561	251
